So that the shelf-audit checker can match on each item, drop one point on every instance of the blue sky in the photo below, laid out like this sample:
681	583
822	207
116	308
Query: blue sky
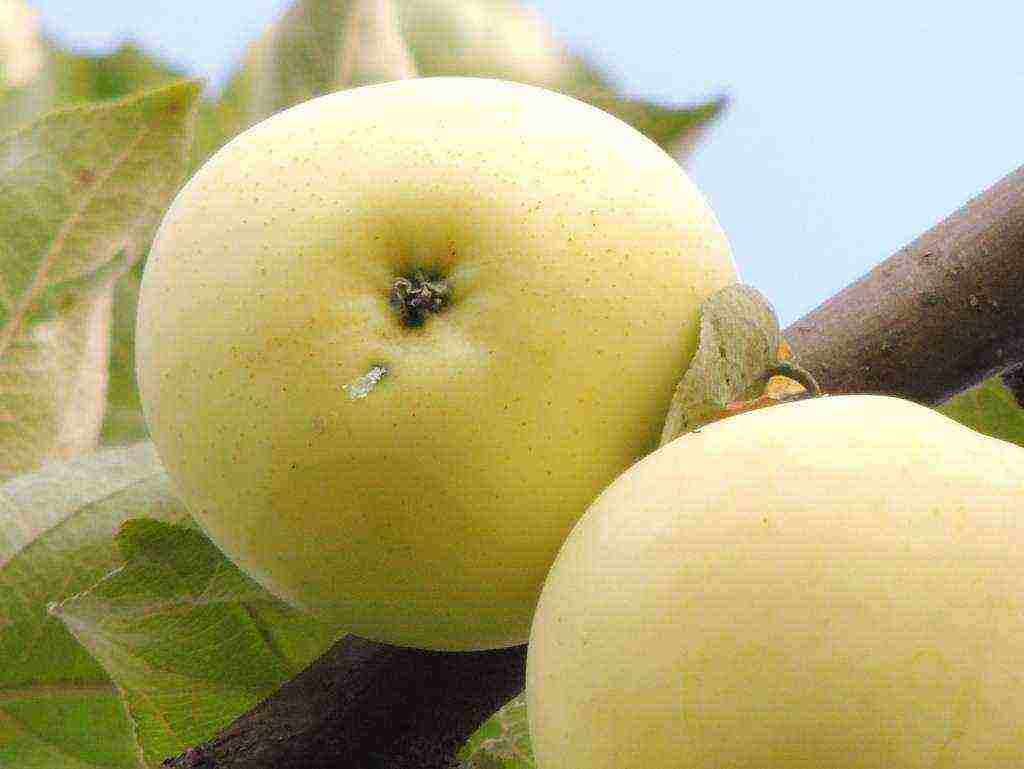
854	127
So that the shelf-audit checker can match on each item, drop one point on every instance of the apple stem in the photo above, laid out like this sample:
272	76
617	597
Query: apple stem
797	373
417	296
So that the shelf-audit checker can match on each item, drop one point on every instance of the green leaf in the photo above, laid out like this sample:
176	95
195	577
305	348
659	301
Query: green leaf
123	422
81	191
320	46
58	707
989	408
38	74
87	77
190	641
503	742
511	40
677	129
124	633
739	342
317	47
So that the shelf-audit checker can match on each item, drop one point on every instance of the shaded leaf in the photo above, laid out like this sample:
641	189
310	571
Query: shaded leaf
503	742
677	129
84	78
88	77
124	633
990	408
373	49
81	78
739	341
190	641
123	421
81	190
486	38
77	78
58	707
319	46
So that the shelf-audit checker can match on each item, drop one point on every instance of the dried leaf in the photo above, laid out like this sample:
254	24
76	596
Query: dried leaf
81	190
779	389
739	342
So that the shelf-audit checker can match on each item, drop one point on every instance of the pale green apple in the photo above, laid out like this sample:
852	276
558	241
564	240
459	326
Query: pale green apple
394	340
834	583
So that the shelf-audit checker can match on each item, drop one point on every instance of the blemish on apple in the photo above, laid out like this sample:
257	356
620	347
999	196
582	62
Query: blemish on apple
364	385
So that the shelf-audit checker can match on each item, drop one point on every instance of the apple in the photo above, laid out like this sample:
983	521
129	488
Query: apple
394	340
834	582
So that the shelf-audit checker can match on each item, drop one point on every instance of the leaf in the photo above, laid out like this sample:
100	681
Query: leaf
114	75
739	342
373	49
990	408
42	74
503	742
124	633
320	46
676	129
486	38
81	190
92	77
123	421
190	641
512	41
58	707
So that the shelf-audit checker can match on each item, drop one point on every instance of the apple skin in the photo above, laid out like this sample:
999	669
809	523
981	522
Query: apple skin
834	582
427	512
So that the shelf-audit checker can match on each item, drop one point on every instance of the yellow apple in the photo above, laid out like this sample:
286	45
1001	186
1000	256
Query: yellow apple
394	340
834	583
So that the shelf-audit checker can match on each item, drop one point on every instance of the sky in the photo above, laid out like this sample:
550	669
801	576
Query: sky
853	127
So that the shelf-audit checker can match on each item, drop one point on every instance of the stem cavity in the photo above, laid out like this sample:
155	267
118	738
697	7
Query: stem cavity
416	297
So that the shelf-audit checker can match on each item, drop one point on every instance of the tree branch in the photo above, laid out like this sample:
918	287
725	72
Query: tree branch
937	317
364	705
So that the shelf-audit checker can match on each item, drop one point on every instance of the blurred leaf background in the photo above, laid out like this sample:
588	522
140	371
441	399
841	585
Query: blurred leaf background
316	47
111	652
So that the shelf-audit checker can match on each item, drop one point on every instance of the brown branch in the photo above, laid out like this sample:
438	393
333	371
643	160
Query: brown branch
363	705
937	317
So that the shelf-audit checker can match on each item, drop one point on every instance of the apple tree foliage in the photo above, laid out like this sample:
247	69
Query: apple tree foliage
125	636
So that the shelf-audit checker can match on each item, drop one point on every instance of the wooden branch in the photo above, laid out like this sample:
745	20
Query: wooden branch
363	705
937	317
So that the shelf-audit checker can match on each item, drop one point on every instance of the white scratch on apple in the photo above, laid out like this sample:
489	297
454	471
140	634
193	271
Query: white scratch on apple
362	386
